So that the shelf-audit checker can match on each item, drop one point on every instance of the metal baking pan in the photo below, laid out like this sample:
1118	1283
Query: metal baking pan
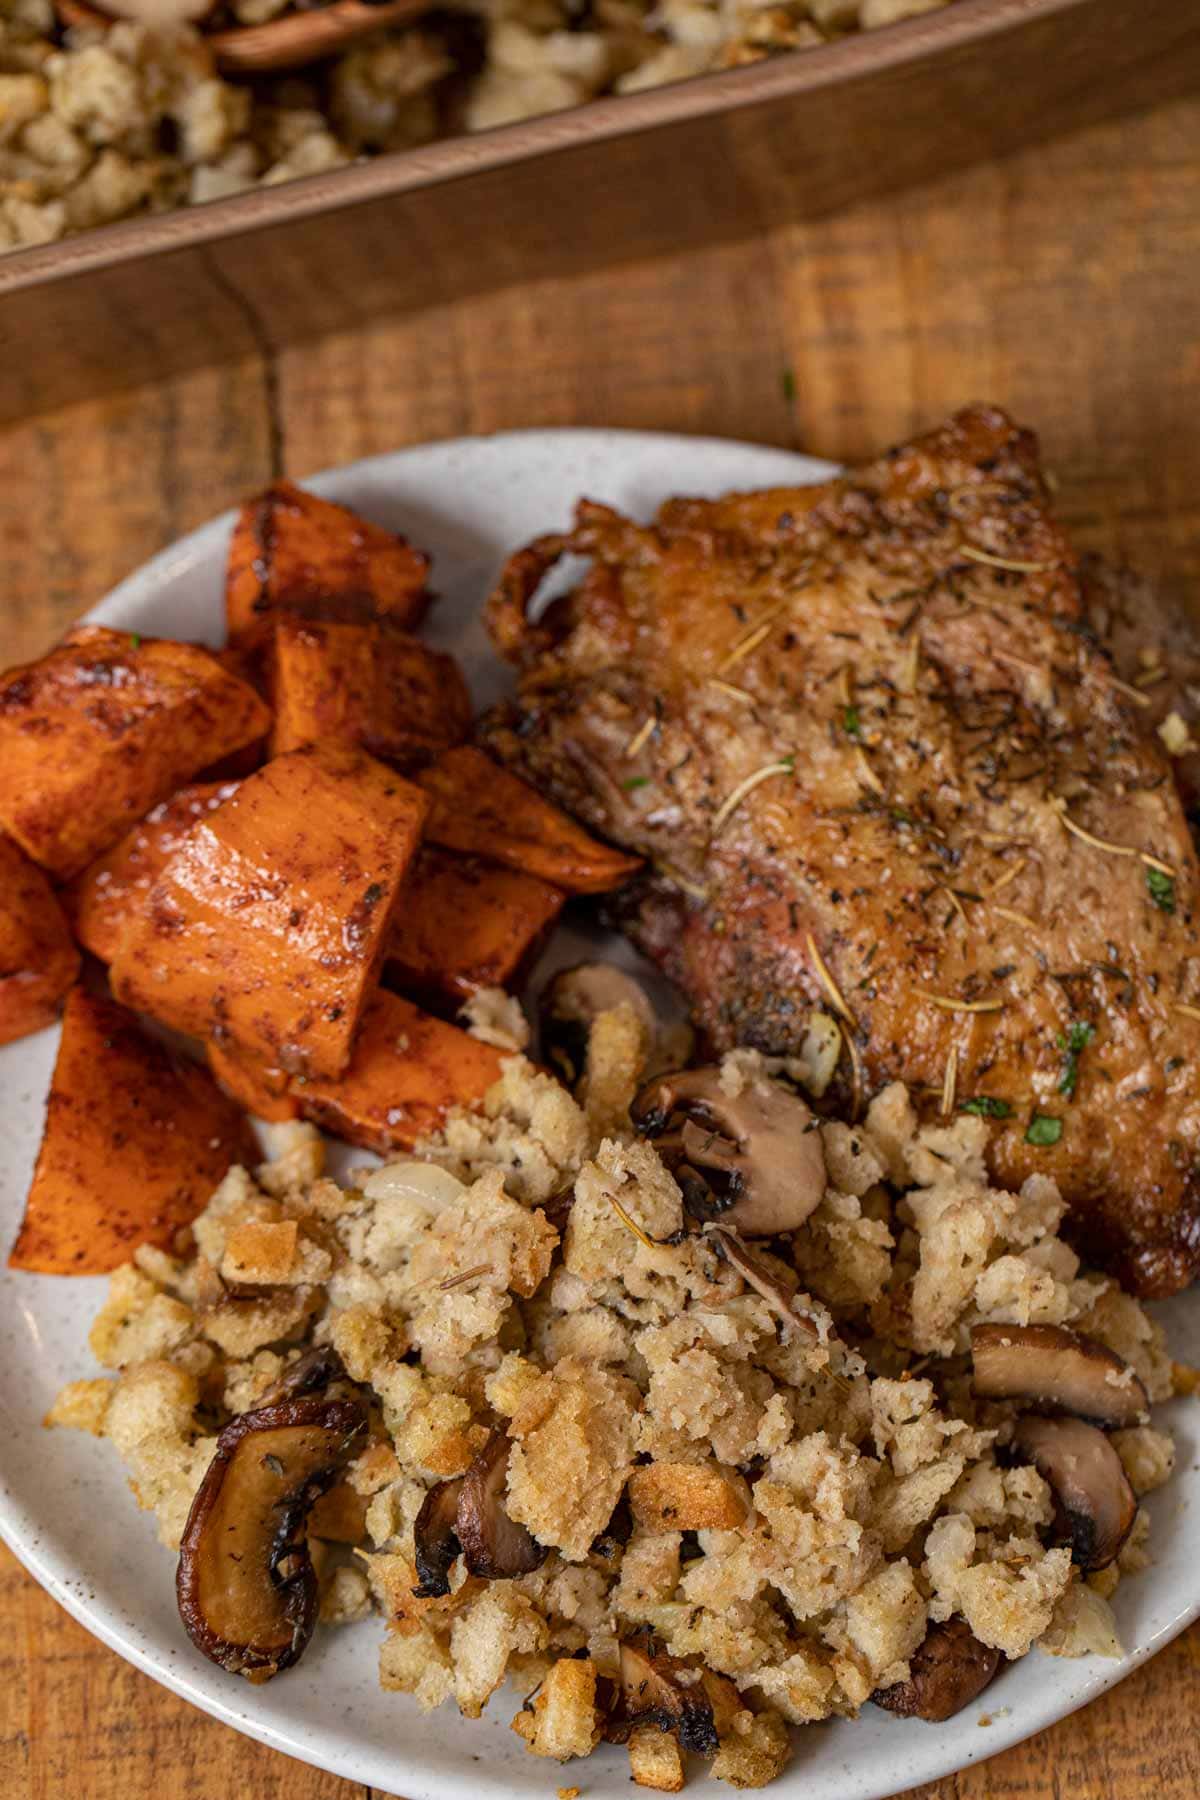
643	175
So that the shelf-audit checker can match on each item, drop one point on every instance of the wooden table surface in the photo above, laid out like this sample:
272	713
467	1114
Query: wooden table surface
1062	284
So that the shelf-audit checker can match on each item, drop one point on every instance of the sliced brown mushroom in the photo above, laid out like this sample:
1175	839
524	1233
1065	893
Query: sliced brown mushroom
435	1537
947	1671
157	12
766	1283
494	1545
246	1586
310	1373
571	1004
616	1534
1056	1369
557	1208
1094	1504
753	1161
660	1691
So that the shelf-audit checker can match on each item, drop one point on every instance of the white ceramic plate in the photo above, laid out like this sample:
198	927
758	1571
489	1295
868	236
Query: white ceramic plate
64	1505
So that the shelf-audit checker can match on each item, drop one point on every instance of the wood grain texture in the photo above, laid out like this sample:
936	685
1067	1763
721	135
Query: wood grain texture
1060	283
565	195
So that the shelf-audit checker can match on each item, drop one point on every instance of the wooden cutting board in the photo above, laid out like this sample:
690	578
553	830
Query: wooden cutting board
1063	283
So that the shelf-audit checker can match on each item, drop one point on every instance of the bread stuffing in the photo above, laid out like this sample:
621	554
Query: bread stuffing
621	1468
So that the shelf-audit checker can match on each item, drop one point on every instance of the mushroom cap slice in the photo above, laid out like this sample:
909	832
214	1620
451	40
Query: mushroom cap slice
948	1670
310	1373
246	1586
778	1295
494	1545
753	1160
435	1539
1096	1506
573	1000
658	1690
159	13
1057	1370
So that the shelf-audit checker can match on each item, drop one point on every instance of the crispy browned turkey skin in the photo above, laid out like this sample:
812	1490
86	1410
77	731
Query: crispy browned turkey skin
866	729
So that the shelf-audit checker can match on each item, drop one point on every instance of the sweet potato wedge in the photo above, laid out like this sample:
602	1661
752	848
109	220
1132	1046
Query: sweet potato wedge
266	930
38	961
112	890
135	1141
292	552
261	1090
103	728
248	668
369	685
463	923
408	1070
480	809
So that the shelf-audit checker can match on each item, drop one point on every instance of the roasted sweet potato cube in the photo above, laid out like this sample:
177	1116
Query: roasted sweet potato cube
369	685
266	930
407	1072
293	552
463	923
112	890
135	1141
481	809
103	728
38	961
261	1089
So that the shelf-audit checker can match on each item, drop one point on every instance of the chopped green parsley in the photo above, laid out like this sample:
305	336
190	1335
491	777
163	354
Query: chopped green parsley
1043	1130
1161	889
1073	1044
985	1106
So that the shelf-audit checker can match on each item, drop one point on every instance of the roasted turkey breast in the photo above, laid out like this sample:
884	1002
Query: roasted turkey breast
880	763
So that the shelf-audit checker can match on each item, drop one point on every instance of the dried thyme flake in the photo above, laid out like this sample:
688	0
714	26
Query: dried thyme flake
1073	1044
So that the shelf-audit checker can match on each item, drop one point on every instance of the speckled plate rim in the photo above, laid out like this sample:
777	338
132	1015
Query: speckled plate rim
63	1506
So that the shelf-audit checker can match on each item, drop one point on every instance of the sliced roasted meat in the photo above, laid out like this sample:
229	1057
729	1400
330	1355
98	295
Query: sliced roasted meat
1057	1369
1155	643
877	762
